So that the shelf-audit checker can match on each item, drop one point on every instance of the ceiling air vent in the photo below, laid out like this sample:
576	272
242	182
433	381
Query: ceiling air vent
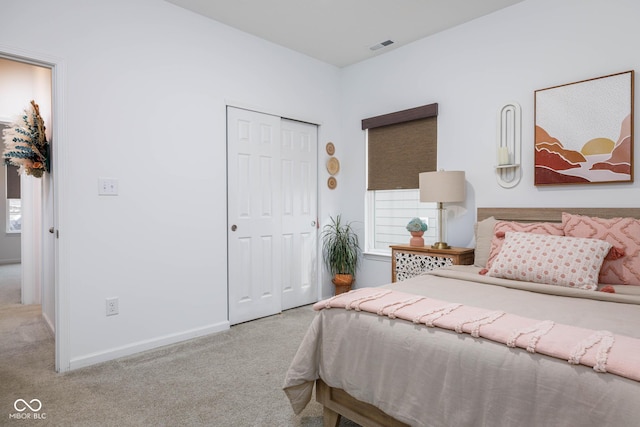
381	45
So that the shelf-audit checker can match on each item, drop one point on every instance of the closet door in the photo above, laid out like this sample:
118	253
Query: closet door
254	229
272	193
299	166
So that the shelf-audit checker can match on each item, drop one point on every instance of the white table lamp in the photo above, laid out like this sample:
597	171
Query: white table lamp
442	187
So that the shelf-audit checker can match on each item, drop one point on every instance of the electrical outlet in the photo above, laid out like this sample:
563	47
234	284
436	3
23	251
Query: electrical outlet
112	306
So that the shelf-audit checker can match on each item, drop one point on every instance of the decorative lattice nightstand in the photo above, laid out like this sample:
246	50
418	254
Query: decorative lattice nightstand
409	261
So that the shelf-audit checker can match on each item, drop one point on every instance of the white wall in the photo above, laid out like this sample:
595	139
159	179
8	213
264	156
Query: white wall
145	88
474	69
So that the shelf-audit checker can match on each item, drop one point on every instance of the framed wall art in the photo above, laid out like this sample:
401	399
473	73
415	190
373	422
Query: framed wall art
584	131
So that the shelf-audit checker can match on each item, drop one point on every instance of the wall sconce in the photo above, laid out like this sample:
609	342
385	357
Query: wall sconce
509	140
442	187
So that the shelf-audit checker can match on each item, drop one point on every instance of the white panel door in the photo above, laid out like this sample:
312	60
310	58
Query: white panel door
299	142
272	211
254	215
48	251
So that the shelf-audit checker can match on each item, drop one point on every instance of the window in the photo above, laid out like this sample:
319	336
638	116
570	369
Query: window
399	146
14	215
391	210
13	200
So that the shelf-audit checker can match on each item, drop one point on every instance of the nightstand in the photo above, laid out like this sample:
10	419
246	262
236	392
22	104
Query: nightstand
409	261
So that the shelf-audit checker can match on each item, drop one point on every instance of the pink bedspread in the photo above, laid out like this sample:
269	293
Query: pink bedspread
600	349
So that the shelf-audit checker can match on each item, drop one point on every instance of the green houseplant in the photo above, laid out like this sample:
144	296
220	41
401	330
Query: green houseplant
340	252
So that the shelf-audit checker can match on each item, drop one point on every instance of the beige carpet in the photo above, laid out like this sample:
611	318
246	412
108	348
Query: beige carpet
230	379
10	284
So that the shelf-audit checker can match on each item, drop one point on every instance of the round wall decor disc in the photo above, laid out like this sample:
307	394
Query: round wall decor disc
330	148
333	165
332	183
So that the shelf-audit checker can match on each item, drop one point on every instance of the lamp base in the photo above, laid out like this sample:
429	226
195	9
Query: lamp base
440	245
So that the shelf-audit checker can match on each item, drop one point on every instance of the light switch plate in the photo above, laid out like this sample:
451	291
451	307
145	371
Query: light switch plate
107	186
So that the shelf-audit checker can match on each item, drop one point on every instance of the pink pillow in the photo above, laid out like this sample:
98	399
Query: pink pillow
624	236
553	260
501	227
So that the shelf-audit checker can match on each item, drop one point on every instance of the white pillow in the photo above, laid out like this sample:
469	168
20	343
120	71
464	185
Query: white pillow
484	235
553	260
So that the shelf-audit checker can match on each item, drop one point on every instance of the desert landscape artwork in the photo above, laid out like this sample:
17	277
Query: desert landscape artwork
584	131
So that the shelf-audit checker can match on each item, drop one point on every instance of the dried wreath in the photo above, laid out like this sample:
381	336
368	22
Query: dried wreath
26	144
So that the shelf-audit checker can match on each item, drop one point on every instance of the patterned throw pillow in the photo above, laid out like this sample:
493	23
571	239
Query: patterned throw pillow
624	236
501	227
553	260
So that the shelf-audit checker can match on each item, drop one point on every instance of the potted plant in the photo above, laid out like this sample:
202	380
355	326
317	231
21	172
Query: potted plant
340	253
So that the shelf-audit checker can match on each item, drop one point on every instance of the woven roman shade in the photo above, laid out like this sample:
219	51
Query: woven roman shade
401	145
13	182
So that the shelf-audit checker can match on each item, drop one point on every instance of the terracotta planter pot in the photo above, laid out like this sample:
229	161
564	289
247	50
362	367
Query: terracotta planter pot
341	289
342	282
417	239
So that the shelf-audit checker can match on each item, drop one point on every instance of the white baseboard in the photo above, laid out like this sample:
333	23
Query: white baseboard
49	323
115	353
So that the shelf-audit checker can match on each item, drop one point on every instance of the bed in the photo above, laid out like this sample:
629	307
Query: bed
525	353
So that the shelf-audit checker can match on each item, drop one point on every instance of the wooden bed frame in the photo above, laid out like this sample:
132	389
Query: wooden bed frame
337	402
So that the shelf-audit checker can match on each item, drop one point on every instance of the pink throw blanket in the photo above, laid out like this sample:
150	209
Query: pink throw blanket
602	350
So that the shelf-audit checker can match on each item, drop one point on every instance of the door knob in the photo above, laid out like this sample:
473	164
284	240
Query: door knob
313	223
234	227
51	230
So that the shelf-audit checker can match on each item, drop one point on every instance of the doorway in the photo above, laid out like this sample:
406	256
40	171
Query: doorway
272	214
23	80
